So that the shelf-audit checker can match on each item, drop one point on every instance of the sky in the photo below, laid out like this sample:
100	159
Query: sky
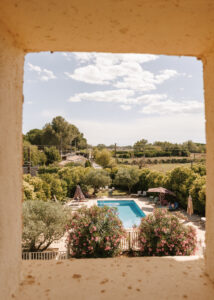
116	98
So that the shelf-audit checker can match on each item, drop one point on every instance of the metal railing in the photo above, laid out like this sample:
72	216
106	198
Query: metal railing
47	255
130	242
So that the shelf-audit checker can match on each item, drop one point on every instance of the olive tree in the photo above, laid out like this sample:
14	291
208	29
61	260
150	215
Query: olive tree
43	223
97	179
126	178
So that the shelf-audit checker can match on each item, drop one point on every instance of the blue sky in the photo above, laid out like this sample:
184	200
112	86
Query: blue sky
116	97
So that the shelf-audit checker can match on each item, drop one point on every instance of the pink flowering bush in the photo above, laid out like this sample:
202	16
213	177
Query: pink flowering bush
161	234
95	232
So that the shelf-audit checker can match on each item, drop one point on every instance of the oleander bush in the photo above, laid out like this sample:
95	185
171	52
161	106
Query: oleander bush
161	234
95	232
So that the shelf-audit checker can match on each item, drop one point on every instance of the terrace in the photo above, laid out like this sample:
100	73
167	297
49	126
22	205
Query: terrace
159	27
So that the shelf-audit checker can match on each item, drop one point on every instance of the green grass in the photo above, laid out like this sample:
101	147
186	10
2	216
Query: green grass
115	193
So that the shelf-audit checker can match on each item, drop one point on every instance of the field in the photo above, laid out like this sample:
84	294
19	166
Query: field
166	167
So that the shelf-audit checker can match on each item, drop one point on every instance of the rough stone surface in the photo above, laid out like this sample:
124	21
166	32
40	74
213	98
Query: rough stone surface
173	27
115	278
178	27
11	74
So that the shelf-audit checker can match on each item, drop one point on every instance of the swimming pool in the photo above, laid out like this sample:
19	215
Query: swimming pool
129	212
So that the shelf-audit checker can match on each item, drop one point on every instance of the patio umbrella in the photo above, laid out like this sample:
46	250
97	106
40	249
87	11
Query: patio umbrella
162	191
189	206
79	194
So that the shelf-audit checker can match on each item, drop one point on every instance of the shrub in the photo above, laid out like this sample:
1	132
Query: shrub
95	232
161	234
35	188
50	169
28	191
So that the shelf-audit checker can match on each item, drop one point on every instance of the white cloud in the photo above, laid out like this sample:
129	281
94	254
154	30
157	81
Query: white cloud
169	107
124	96
115	96
120	70
165	75
110	58
43	74
34	68
125	107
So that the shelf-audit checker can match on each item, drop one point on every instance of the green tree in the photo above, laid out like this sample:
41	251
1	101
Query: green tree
126	178
198	193
43	223
52	155
34	136
192	147
73	176
140	145
58	187
61	133
180	181
103	158
97	179
37	157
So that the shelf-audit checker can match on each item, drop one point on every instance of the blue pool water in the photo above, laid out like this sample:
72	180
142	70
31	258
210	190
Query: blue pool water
129	212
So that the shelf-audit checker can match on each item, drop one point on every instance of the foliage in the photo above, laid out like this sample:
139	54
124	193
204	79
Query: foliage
97	178
36	157
28	191
155	179
34	136
51	169
95	232
103	158
57	186
35	188
126	178
180	181
73	176
200	169
161	234
43	223
140	145
87	164
198	193
62	133
52	155
57	133
143	183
